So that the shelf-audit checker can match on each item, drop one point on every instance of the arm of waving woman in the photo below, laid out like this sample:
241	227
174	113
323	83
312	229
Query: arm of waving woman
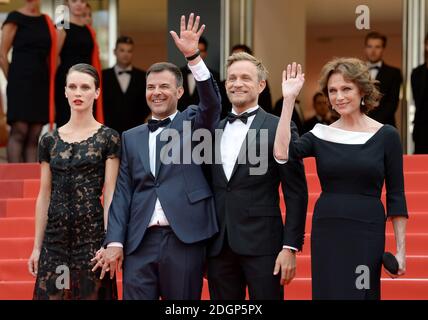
42	205
292	82
8	34
399	223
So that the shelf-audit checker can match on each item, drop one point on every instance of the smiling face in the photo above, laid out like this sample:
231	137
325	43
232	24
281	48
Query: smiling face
162	93
243	85
345	96
80	91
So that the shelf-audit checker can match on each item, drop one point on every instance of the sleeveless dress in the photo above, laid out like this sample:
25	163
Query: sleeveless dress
348	225
75	226
28	76
77	48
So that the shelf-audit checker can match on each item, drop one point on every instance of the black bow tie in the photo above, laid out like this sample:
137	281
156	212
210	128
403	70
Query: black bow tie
156	124
231	117
124	71
374	67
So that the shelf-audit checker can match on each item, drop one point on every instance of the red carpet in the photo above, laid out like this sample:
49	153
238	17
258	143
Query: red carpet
19	185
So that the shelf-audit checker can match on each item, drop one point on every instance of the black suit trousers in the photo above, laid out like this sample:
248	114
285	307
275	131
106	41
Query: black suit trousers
229	274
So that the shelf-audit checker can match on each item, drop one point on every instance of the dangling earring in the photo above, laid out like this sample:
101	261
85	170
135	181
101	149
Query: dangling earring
362	101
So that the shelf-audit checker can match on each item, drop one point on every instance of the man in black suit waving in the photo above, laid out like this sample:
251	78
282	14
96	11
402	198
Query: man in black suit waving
389	77
124	89
253	247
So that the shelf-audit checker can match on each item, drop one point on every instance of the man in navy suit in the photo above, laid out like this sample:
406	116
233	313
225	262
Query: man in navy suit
162	214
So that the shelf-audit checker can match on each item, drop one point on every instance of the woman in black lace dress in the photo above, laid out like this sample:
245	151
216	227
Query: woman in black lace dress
77	160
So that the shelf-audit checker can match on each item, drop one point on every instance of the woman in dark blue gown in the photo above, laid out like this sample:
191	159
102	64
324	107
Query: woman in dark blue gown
355	156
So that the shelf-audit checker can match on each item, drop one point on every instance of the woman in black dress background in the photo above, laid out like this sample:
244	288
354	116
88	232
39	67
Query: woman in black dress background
76	44
77	160
355	156
27	31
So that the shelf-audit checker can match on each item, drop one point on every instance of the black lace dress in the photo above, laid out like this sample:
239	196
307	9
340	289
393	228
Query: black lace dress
75	226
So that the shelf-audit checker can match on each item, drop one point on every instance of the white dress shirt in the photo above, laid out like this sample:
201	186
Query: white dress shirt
201	73
230	145
124	79
373	70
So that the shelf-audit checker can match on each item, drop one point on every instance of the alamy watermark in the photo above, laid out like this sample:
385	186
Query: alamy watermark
62	17
197	147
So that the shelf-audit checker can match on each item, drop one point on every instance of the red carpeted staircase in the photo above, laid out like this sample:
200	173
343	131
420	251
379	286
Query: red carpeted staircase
19	185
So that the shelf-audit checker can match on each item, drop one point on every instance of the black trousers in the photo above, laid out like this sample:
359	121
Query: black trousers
164	267
229	274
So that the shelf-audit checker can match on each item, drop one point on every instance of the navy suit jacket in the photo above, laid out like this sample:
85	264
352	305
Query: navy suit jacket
182	189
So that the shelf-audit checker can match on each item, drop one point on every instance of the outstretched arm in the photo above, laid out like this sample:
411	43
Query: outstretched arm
208	113
188	40
292	82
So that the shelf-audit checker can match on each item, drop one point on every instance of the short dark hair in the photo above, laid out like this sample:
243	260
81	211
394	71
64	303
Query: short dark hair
242	47
167	66
376	35
316	95
204	42
87	69
124	39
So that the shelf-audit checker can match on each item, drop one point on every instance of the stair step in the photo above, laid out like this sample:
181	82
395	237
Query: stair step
20	248
299	289
416	201
24	226
19	171
392	289
17	270
413	182
28	188
411	163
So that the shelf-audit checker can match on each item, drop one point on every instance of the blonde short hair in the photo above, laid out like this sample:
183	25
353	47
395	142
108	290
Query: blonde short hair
356	71
243	56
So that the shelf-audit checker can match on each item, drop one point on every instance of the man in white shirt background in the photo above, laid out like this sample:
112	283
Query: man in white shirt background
389	78
124	88
162	214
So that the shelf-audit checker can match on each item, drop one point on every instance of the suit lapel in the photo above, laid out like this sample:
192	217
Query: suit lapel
243	152
217	152
160	144
144	150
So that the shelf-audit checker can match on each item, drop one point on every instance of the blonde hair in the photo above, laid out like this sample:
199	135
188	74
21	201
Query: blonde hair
243	56
356	71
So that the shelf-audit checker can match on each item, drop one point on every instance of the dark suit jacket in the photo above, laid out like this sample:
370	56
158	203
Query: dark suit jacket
187	98
182	189
420	95
123	111
248	205
390	81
